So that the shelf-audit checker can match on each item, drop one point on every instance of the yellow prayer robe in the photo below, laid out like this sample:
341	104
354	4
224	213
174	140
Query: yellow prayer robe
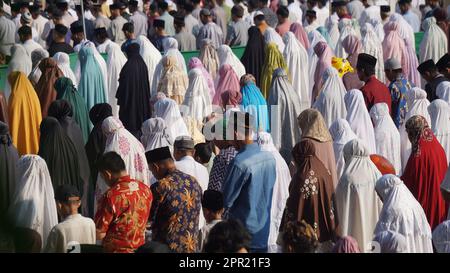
24	114
274	59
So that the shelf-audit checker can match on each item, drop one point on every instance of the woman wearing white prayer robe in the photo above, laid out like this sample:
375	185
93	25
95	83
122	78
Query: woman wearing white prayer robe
168	110
33	205
387	136
116	60
333	30
330	102
390	242
20	61
63	61
280	190
226	56
346	28
434	43
373	46
441	237
359	118
341	133
403	214
440	123
271	36
358	205
297	62
155	135
443	91
417	102
314	37
149	54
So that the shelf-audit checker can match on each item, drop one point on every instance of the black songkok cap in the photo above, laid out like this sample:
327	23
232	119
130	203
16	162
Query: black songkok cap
158	154
366	60
443	62
311	12
426	66
159	23
76	27
385	8
336	4
64	192
61	29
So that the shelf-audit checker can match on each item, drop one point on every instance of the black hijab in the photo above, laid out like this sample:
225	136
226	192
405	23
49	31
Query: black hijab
133	94
95	145
60	154
253	58
8	170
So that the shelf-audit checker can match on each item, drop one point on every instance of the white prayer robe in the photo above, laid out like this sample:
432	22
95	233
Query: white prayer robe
271	36
226	56
373	46
443	91
116	61
150	55
341	133
434	43
440	123
63	61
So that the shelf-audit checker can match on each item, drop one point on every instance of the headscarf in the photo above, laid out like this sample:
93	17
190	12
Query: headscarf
280	188
196	63
357	203
170	46
394	46
313	126
226	56
231	98
254	103
254	54
271	36
443	91
20	62
102	67
24	114
373	46
391	242
359	118
209	57
297	63
155	135
62	111
404	28
300	34
228	81
286	103
168	110
330	102
434	43
63	61
34	205
60	154
45	86
174	81
310	186
150	54
133	94
121	141
91	85
346	244
333	31
401	213
426	169
36	57
197	99
324	52
387	136
440	123
8	170
353	47
342	133
66	90
116	61
274	59
346	27
441	237
314	38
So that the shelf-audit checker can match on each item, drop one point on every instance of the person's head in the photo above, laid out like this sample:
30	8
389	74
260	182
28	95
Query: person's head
203	152
365	66
35	11
57	17
188	8
115	9
59	33
96	10
341	8
282	14
385	11
259	20
160	162
128	30
26	19
24	7
183	146
392	69
428	70
24	33
163	7
443	65
178	23
111	167
159	26
310	4
252	5
241	124
77	32
237	12
101	35
195	3
228	236
212	204
205	16
433	3
404	5
310	16
68	200
299	237
262	4
62	5
133	6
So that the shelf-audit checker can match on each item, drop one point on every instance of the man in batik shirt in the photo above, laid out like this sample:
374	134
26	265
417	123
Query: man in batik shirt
398	87
124	210
176	205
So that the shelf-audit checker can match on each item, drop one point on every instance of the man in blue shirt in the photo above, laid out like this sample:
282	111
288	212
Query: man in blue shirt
409	15
128	30
249	182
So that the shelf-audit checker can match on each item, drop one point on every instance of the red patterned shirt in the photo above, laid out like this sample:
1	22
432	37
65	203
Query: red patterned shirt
123	214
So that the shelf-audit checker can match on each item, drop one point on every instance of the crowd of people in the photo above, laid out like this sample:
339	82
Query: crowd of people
331	133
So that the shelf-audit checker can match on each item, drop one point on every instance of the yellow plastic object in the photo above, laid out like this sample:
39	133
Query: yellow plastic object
342	66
